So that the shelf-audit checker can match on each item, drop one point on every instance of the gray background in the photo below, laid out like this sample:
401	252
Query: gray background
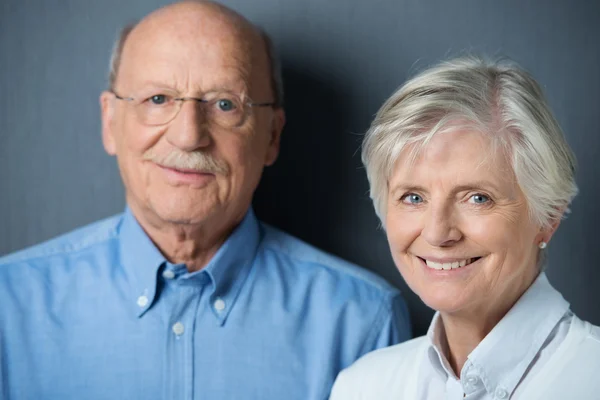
341	59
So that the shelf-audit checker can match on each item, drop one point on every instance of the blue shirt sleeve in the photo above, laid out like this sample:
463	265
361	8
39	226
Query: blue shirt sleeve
392	325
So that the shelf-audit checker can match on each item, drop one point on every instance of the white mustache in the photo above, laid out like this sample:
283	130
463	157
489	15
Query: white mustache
197	161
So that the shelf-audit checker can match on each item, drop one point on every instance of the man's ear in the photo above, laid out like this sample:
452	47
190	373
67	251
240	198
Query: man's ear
107	110
277	124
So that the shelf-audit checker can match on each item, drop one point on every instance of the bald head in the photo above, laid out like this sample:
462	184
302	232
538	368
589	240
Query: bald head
209	20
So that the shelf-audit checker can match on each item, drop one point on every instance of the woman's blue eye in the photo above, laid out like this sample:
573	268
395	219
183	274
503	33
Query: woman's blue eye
225	105
412	198
158	99
479	199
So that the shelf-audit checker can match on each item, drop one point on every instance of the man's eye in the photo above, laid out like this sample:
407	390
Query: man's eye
225	105
158	99
412	198
479	199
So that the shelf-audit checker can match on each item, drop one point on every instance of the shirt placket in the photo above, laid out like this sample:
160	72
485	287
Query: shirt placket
472	383
454	390
180	342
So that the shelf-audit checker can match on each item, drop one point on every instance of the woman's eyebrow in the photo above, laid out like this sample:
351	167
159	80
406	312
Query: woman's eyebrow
406	187
477	185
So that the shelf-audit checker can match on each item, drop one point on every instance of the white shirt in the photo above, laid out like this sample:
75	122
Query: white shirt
539	350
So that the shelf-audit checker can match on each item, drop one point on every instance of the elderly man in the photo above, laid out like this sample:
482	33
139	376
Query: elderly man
186	295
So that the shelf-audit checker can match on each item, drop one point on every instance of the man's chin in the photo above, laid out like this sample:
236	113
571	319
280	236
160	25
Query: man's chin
185	216
179	213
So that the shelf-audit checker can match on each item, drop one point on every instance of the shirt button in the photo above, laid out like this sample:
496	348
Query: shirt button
142	301
178	328
168	274
501	393
472	380
219	305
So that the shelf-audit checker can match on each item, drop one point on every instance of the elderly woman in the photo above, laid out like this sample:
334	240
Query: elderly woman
470	176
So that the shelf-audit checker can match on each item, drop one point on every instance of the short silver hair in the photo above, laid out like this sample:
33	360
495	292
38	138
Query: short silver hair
271	52
497	98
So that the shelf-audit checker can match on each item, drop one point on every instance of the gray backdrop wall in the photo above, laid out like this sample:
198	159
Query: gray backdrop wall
341	59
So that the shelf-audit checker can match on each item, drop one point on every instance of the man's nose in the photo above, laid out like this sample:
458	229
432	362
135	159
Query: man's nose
189	131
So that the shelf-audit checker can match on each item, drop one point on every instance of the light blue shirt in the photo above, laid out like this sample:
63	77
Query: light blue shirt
99	313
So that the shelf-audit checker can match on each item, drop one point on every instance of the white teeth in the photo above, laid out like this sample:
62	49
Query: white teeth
433	265
448	266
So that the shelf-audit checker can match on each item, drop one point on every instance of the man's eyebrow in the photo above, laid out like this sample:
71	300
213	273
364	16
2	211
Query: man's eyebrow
236	86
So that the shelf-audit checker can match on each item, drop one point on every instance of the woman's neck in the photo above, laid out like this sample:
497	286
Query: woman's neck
465	329
463	335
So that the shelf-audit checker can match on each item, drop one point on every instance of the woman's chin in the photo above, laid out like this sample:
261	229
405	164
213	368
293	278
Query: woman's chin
446	301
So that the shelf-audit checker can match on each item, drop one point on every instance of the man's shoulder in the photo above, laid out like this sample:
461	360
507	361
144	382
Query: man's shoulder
80	239
314	260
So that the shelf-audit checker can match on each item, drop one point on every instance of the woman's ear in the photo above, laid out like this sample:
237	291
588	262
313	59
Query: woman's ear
547	232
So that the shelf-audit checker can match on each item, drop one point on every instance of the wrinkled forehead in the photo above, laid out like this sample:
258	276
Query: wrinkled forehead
454	154
190	55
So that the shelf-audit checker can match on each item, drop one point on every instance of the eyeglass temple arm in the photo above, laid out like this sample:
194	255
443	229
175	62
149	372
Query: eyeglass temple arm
121	97
272	104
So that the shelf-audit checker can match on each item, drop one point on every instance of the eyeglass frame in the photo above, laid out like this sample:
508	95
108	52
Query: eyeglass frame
273	104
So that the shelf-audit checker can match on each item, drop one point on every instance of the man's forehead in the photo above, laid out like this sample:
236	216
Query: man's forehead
195	26
162	53
194	46
189	35
209	50
168	76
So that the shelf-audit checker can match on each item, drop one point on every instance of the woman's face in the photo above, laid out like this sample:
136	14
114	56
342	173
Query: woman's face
458	226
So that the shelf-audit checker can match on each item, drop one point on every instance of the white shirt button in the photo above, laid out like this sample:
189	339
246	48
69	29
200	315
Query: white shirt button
219	305
501	393
168	274
142	301
178	328
472	380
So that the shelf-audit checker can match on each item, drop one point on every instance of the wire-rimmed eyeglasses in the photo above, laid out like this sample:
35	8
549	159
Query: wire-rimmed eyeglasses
224	109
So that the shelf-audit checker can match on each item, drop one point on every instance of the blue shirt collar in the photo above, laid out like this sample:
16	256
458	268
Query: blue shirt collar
141	261
227	270
230	266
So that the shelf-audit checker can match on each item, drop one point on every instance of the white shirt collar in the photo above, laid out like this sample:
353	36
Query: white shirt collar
503	356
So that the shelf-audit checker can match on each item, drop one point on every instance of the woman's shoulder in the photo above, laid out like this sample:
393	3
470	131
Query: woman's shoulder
580	350
375	375
577	360
585	337
394	356
586	342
